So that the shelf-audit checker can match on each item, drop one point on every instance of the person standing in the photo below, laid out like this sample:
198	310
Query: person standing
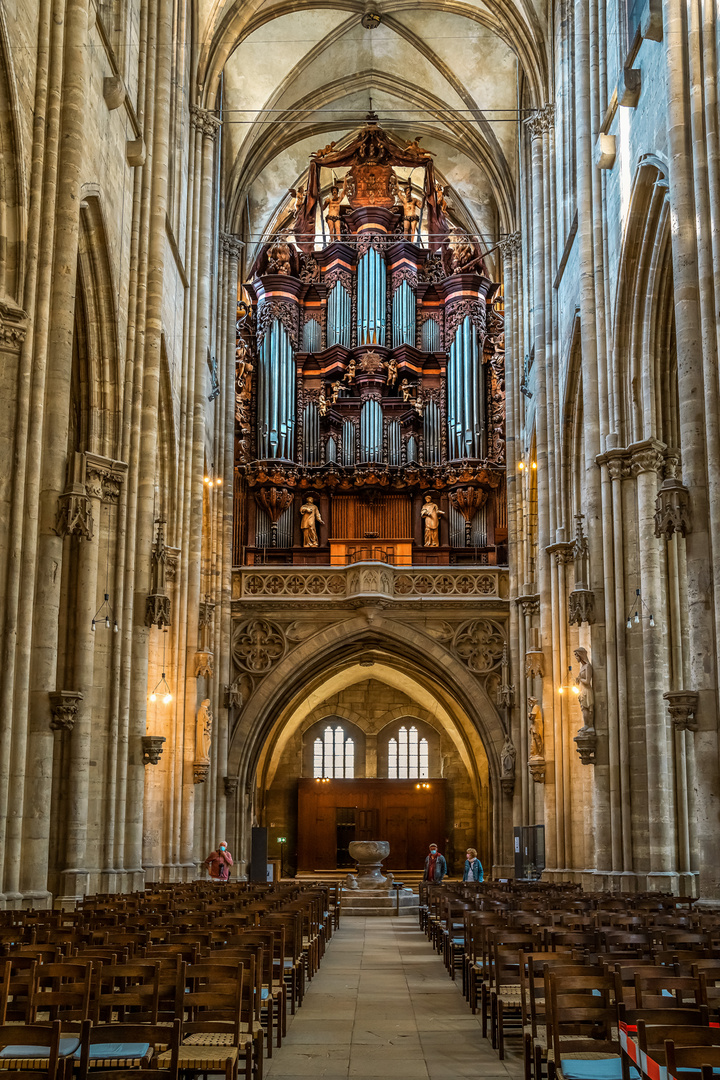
435	866
218	863
473	867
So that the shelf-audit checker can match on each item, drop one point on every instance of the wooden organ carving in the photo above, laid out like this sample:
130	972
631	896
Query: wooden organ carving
370	373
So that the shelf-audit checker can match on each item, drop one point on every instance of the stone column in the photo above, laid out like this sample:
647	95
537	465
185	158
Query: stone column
693	425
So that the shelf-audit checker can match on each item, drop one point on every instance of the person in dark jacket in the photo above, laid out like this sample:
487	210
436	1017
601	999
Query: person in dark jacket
435	866
473	867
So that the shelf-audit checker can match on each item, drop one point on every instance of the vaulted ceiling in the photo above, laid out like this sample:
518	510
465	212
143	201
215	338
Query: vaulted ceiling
294	75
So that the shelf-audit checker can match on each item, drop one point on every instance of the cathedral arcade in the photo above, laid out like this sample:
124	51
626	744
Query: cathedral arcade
359	439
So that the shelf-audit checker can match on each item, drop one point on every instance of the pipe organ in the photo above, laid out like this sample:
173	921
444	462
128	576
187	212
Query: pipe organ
371	376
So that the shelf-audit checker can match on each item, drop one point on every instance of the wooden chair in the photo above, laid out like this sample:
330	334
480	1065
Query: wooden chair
215	1005
686	1061
129	1051
583	1018
35	1051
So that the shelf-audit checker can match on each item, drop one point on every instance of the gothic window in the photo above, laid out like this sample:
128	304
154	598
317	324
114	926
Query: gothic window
408	756
334	755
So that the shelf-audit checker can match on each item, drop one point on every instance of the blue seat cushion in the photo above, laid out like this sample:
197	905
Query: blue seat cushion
114	1051
595	1069
67	1046
264	993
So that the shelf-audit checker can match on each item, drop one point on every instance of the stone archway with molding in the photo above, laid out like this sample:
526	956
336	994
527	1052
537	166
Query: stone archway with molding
441	654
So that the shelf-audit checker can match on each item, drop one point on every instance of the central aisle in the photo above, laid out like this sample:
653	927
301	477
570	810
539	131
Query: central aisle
383	1005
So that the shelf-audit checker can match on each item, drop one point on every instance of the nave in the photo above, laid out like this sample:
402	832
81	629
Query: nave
382	1005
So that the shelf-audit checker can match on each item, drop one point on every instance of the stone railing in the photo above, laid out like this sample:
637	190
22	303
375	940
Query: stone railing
287	584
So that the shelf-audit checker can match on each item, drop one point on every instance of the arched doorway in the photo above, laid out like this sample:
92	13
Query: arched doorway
371	677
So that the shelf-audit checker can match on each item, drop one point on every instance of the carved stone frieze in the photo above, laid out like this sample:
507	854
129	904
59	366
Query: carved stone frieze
152	747
281	311
63	708
672	509
257	645
682	706
581	607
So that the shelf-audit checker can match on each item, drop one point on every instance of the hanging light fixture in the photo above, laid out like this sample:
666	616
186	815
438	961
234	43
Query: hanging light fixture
105	612
162	684
636	615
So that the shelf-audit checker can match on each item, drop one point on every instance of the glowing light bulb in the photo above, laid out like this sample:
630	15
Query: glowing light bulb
167	699
575	690
153	696
561	689
534	464
218	482
521	465
206	479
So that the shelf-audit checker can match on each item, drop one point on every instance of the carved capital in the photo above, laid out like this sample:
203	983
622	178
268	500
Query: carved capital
511	245
200	772
152	747
75	516
231	245
672	509
537	771
586	741
230	784
581	607
204	121
534	664
63	707
13	326
103	477
541	121
682	706
157	610
203	665
530	603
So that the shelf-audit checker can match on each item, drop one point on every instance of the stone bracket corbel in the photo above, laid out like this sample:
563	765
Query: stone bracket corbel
605	151
672	509
581	606
200	772
651	21
537	771
586	741
204	665
152	747
157	610
135	152
64	706
113	91
230	784
682	706
628	87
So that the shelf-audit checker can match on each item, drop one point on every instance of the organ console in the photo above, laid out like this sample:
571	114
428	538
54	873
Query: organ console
371	374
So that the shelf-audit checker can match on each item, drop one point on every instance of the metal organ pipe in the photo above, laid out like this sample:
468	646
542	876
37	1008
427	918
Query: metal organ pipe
371	420
371	286
465	394
276	421
403	316
339	308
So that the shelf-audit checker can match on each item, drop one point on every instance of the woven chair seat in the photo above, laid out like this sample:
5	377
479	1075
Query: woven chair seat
204	1058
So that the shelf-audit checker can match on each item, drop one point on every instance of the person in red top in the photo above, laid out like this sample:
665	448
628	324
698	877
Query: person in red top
435	866
219	862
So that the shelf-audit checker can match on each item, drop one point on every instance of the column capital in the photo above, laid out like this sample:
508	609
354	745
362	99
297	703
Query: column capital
204	120
541	121
511	245
231	245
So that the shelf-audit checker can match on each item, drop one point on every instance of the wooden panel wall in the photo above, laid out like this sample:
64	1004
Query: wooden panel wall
353	518
392	810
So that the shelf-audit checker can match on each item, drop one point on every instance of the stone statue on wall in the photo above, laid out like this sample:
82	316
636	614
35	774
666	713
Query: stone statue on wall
431	515
203	733
536	737
309	518
507	758
584	683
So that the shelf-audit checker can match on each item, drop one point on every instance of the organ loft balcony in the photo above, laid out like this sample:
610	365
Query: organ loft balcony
370	377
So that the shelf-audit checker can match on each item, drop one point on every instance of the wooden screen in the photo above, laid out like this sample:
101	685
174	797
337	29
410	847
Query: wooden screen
392	810
388	517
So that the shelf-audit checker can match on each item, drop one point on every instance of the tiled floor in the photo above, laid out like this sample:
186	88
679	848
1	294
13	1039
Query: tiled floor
382	1005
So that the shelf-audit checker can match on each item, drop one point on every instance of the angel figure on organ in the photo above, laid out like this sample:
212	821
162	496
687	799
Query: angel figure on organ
332	205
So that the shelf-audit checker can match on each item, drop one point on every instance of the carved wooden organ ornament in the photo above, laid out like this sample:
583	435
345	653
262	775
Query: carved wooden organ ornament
370	374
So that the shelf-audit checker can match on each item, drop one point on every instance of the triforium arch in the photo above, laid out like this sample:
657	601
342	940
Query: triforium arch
417	670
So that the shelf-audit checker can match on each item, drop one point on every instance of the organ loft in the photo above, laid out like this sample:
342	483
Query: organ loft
370	393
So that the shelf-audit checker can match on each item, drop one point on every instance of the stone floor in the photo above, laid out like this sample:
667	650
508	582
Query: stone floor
383	1005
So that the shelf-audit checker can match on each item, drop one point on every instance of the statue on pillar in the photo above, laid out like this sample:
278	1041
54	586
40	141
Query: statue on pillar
584	683
203	733
309	516
536	737
431	515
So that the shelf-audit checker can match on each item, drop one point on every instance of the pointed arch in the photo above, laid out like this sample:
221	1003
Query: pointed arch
96	299
12	178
